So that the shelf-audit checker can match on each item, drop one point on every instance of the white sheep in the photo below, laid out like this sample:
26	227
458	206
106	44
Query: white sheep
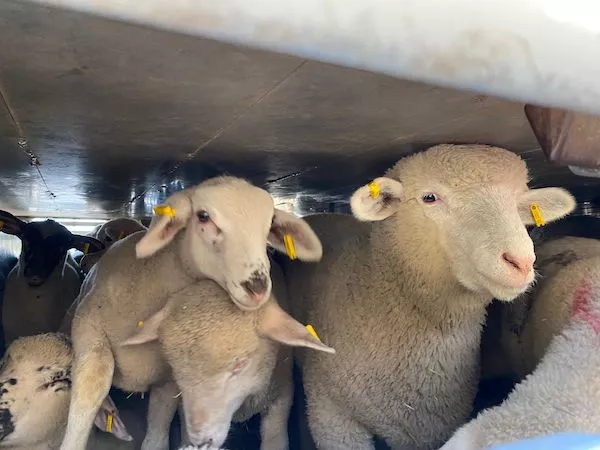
220	231
563	392
108	233
35	384
45	281
227	363
402	300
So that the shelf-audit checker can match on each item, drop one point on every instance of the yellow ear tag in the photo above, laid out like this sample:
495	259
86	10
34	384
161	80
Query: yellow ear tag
1	225
312	331
537	215
121	234
109	422
375	191
140	323
164	210
288	240
86	248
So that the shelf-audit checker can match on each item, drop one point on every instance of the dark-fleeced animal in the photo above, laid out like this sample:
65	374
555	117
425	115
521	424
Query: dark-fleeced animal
45	281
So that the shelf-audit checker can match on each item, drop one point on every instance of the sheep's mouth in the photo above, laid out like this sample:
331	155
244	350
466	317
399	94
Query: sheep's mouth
35	282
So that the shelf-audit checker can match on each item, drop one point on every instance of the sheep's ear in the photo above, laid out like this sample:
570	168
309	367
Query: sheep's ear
274	323
307	245
121	229
177	210
147	330
9	224
377	200
553	203
86	244
114	425
94	232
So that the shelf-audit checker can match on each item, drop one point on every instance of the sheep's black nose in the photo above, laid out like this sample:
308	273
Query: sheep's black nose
256	286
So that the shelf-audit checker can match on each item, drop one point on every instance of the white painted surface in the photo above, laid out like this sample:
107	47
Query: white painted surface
541	51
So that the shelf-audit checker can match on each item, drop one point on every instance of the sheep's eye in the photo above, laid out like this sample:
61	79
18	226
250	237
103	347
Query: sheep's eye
429	198
203	216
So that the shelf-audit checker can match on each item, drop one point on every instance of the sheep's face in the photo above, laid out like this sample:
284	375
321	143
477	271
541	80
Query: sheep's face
219	355
209	405
34	393
472	203
45	245
216	356
227	225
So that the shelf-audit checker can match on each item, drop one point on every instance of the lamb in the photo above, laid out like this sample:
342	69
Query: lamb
563	392
226	362
108	233
34	398
403	300
45	281
219	231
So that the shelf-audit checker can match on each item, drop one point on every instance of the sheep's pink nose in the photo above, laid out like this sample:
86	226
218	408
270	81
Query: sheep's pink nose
523	265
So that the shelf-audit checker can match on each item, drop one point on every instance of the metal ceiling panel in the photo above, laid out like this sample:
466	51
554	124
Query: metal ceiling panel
119	116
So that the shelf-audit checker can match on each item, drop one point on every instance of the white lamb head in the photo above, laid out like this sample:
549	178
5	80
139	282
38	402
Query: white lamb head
473	203
219	354
228	224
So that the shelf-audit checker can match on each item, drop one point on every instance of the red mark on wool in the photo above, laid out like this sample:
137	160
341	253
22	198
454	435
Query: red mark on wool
582	306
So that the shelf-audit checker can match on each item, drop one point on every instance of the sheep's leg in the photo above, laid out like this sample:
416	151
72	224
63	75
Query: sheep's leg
273	429
161	408
332	428
93	367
